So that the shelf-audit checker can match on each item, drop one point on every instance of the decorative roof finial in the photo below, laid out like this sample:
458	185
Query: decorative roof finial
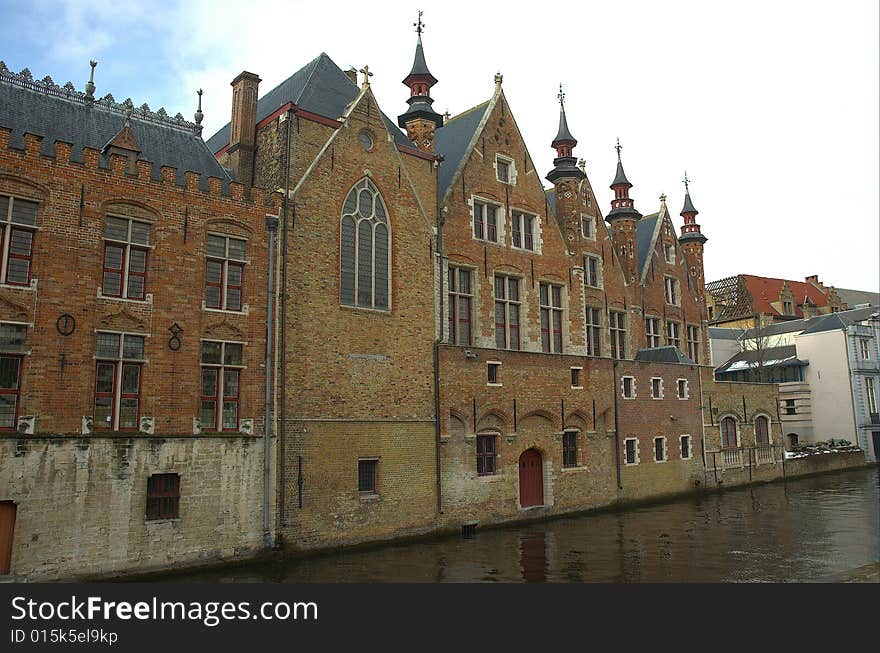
129	109
365	71
499	78
686	182
662	198
618	147
419	25
582	164
561	95
199	115
90	85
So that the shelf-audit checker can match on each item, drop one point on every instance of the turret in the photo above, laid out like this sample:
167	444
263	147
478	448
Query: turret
622	220
692	240
565	164
420	120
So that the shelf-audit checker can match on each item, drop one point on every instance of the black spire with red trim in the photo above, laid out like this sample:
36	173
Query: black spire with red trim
420	80
564	165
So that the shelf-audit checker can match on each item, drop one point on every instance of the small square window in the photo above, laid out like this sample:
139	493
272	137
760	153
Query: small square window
494	373
685	447
163	496
659	449
629	387
367	476
656	388
576	377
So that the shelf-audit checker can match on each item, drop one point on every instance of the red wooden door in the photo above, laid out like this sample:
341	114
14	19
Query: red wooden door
531	479
7	525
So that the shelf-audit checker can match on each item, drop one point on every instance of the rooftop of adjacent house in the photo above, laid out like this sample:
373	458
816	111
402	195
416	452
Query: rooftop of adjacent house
452	140
665	354
855	298
319	87
784	356
720	333
829	322
62	113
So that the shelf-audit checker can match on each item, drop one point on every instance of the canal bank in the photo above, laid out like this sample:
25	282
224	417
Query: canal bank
817	528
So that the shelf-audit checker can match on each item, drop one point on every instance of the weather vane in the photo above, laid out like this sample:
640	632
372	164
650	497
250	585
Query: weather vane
561	95
419	25
686	182
618	147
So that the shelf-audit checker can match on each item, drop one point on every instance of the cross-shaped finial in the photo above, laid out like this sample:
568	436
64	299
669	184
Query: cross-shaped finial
686	181
561	94
365	71
419	25
662	197
618	147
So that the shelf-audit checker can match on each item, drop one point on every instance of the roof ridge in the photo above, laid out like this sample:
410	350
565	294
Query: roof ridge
467	111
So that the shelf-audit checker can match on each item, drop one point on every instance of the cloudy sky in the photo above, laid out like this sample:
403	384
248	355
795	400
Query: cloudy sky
771	106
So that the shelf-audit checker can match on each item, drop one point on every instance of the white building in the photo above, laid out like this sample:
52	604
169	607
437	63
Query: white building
828	370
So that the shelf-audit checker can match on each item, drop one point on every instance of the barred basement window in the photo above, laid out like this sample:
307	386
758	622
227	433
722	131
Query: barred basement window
126	245
18	219
364	259
652	330
569	449
486	454
551	318
485	221
163	496
224	276
367	476
618	334
222	363
460	298
120	359
506	312
693	339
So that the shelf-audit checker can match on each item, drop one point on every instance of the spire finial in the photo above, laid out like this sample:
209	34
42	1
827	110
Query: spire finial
663	198
499	78
199	115
618	147
90	85
419	25
686	182
365	71
561	95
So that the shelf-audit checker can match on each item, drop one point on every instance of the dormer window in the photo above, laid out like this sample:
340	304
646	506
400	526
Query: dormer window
787	308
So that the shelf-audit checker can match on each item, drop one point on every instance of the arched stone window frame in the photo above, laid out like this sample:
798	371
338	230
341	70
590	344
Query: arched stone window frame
736	430
769	428
361	229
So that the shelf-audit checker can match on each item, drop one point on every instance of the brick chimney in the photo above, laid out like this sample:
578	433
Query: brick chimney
243	127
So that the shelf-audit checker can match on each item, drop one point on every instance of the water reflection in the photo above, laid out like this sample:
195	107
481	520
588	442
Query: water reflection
811	529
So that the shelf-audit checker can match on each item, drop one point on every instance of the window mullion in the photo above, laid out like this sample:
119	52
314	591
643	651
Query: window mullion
126	258
7	230
117	392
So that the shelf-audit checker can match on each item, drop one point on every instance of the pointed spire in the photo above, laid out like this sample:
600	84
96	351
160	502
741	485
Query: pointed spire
420	66
565	164
420	80
690	230
563	135
688	204
622	204
620	178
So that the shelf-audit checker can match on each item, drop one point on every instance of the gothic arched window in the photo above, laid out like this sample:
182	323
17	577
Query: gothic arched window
364	267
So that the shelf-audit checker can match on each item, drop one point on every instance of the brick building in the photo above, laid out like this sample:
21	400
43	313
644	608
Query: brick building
133	318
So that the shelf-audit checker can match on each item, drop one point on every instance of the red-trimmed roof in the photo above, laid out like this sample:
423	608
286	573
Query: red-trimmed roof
765	290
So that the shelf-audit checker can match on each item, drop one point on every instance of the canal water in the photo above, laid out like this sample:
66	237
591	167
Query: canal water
814	529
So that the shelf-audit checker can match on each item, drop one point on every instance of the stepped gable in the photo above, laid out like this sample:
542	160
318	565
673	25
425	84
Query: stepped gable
61	113
319	87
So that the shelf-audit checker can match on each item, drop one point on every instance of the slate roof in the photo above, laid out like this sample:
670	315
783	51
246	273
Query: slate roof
855	297
688	205
720	333
563	135
784	356
620	177
665	354
645	238
550	194
67	117
420	67
318	87
452	139
840	320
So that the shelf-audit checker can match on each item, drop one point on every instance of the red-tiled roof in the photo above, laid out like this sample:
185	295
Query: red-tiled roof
765	290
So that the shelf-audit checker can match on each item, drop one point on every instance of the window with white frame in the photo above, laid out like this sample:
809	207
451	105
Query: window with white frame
485	221
224	272
865	348
669	252
652	331
126	248
656	388
659	449
594	332
693	340
588	226
365	271
222	363
593	271
118	370
551	317
872	396
672	295
504	169
631	451
12	342
628	387
18	225
683	390
684	442
523	230
507	305
673	334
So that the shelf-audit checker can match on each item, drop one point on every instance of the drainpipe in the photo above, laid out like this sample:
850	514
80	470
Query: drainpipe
272	227
437	342
282	345
616	429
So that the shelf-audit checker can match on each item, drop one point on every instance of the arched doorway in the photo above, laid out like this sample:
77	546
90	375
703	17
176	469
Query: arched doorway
531	479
